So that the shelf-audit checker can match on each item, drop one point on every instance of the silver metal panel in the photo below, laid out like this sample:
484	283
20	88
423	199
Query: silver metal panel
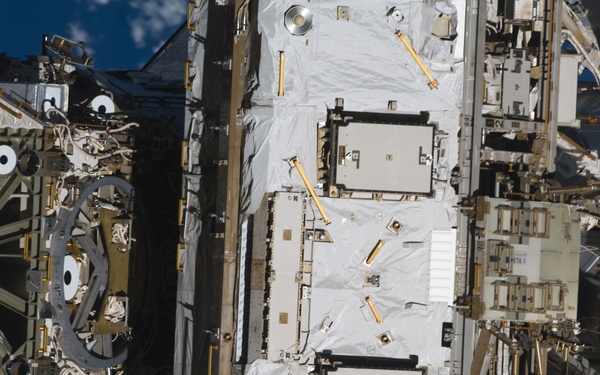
257	287
537	260
40	96
391	158
516	77
523	9
255	325
443	266
567	95
286	262
360	371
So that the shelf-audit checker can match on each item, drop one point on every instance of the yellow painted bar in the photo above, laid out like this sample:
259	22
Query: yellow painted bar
184	146
180	215
432	82
577	146
52	187
26	241
281	72
191	5
476	283
48	259
44	331
538	357
374	252
29	109
79	255
369	302
186	82
178	265
296	163
11	111
210	350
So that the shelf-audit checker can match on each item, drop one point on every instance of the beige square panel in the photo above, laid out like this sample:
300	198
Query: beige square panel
384	158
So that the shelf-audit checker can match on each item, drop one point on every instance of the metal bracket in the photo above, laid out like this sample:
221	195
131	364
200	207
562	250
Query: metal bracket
327	322
343	13
33	283
395	226
45	310
318	235
48	225
385	338
470	306
372	281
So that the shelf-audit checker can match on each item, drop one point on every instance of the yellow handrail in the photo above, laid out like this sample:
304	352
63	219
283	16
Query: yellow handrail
186	82
44	331
310	189
191	5
11	111
374	252
210	350
180	215
577	146
52	187
281	72
48	267
178	266
79	255
26	240
184	147
432	82
369	302
29	109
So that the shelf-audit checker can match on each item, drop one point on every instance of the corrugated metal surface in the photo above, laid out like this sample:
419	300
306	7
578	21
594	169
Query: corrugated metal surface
442	266
169	61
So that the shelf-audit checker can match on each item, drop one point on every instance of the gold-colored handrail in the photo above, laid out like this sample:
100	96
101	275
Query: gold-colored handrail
178	265
432	82
374	252
182	202
52	187
210	355
281	72
310	189
186	82
44	331
11	111
190	26
369	302
29	109
26	242
48	259
577	146
184	147
79	254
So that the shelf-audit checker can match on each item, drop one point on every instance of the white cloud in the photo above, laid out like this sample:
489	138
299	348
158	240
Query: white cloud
78	34
138	32
153	17
94	4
